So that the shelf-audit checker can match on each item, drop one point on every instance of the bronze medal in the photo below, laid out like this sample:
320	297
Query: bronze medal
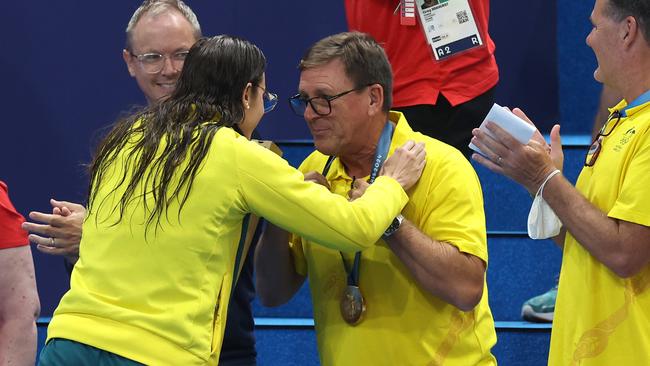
352	305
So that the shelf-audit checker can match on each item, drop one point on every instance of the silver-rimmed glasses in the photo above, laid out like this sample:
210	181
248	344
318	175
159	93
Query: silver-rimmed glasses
153	62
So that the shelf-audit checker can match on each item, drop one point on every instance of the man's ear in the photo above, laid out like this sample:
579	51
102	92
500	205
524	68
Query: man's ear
128	60
246	96
629	30
376	92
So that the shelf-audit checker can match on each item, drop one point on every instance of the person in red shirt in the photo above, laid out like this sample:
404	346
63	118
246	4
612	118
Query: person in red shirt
19	304
445	98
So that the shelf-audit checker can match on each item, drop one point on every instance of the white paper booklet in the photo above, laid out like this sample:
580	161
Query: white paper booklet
517	127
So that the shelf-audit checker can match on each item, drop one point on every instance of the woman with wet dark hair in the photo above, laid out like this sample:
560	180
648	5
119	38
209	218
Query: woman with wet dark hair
170	192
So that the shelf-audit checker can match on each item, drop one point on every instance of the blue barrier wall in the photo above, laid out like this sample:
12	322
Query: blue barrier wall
579	91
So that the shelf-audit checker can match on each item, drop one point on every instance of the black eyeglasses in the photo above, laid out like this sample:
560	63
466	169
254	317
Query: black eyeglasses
322	105
597	144
270	99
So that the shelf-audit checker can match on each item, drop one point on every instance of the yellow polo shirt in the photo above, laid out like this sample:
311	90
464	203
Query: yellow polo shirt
600	318
403	324
162	298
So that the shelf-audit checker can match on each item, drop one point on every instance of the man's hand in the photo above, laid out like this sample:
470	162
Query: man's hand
58	233
317	178
528	164
359	187
555	149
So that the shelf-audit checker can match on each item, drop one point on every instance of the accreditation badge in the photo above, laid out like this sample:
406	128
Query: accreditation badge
449	27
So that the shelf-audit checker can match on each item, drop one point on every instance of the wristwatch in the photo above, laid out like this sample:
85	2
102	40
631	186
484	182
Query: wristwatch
392	228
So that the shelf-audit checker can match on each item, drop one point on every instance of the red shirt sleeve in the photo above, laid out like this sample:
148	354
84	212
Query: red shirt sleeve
11	234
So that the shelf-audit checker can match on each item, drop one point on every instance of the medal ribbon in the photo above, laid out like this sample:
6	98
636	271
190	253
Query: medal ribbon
380	156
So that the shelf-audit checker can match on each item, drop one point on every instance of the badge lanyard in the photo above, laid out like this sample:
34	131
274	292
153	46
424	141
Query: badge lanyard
353	273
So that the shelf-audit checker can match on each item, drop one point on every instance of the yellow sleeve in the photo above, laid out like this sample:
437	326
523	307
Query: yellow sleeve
276	191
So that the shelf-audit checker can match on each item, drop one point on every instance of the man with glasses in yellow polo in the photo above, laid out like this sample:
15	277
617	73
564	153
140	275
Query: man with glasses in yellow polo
603	304
417	297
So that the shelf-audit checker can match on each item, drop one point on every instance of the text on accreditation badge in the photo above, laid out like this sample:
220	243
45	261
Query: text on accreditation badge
449	26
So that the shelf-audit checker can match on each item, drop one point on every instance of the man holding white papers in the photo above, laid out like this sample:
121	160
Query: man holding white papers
603	305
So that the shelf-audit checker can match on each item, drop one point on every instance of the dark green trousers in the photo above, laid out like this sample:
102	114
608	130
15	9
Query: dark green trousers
63	352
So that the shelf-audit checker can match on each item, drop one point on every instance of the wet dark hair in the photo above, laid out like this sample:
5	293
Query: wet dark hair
157	141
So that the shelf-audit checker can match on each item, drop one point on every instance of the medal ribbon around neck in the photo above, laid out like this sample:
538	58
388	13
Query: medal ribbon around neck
353	273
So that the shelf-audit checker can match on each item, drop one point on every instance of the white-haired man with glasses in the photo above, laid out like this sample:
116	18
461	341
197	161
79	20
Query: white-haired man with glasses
158	38
418	296
603	304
